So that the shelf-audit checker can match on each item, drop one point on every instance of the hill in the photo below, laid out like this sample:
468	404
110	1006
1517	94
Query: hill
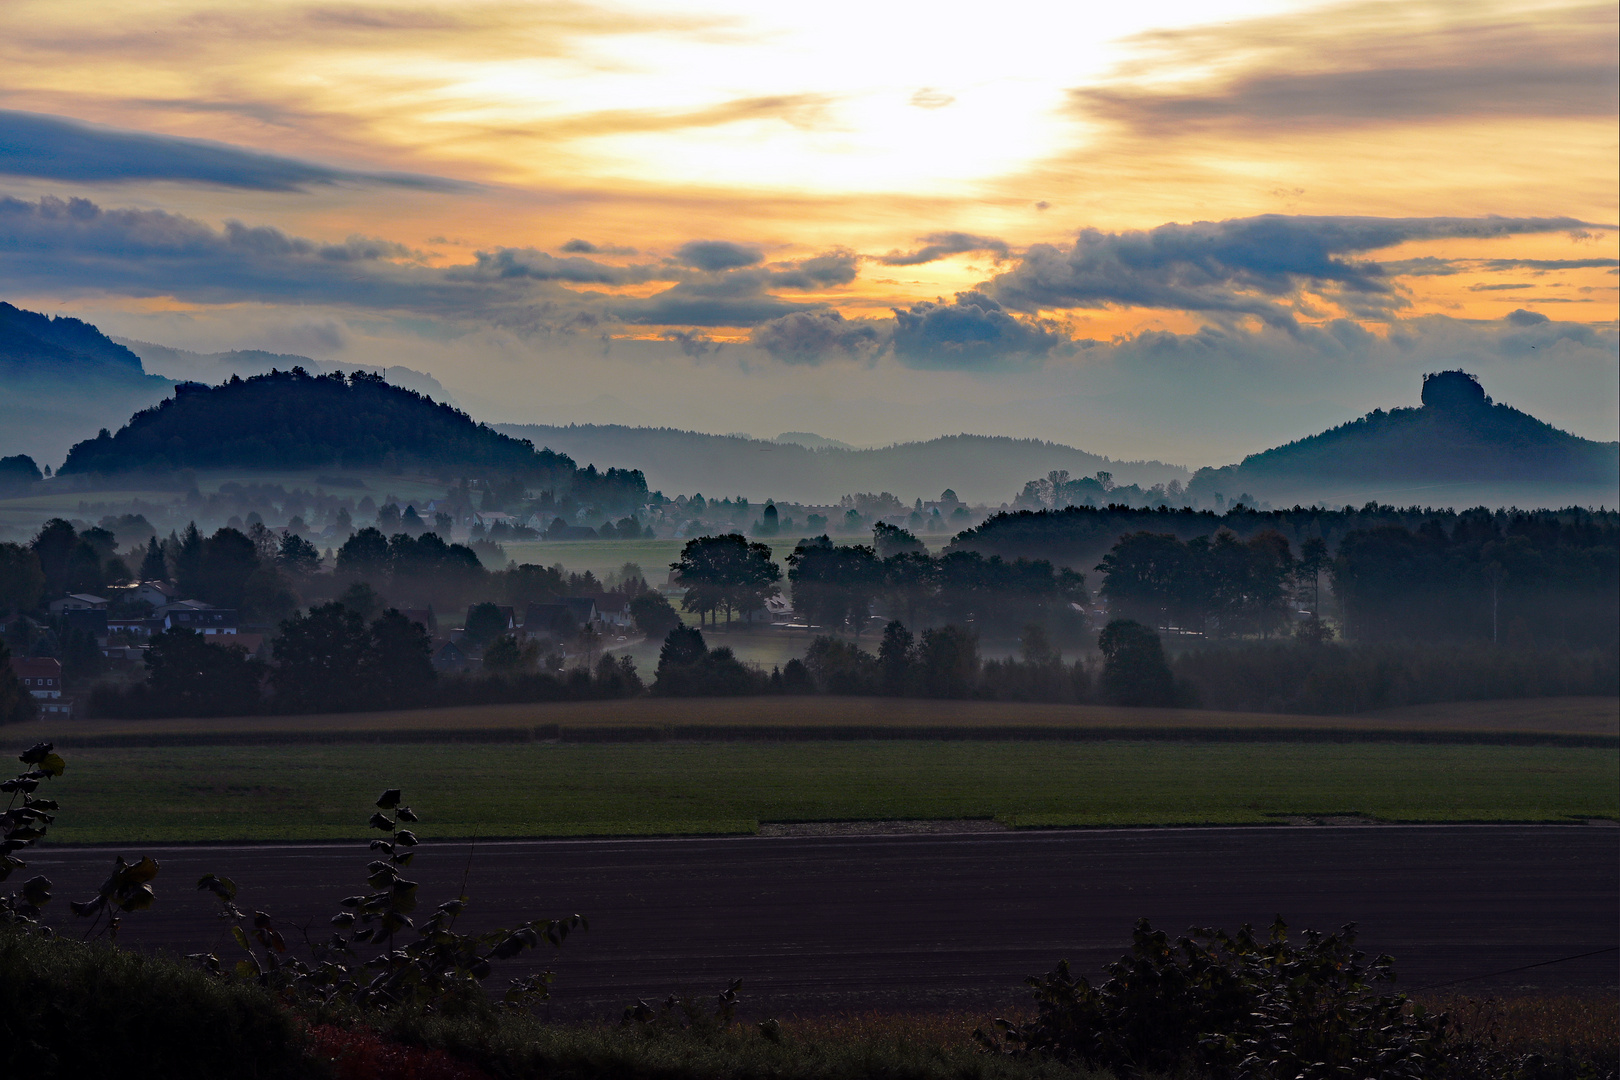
183	365
61	377
1458	446
979	468
294	420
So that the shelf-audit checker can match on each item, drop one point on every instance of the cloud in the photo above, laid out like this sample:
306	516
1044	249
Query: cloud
941	244
929	98
510	263
1366	63
55	148
824	271
1244	266
973	331
1521	317
585	247
75	247
809	337
691	342
716	255
1432	266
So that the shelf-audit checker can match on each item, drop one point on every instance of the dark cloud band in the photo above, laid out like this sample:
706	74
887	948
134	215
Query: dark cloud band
54	148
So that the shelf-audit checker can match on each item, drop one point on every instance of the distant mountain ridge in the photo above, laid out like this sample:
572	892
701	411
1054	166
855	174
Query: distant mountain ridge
988	469
185	365
1458	440
62	378
36	344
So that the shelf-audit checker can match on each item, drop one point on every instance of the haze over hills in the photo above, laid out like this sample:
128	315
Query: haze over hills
1458	448
184	365
979	468
61	379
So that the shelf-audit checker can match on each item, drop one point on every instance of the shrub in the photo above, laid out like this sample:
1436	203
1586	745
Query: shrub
1233	1006
70	1009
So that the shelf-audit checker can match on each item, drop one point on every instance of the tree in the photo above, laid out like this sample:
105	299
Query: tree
319	656
890	540
834	585
22	582
364	555
653	616
187	560
228	559
54	546
896	657
362	599
683	647
1143	576
153	565
16	703
726	572
1134	667
841	667
189	675
397	668
485	623
506	656
949	662
298	556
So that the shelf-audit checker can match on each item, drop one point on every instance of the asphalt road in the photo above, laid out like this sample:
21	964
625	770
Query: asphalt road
925	922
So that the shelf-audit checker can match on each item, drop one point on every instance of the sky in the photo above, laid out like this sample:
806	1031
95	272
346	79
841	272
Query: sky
1151	230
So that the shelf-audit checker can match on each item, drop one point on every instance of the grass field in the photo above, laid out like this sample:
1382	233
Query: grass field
558	789
1594	720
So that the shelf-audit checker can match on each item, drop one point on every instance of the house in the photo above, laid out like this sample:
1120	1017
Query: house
257	646
549	621
78	602
134	627
41	676
425	617
778	609
198	616
582	609
617	616
154	594
508	616
451	657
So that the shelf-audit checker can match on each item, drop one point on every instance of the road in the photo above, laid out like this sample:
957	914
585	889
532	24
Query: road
938	921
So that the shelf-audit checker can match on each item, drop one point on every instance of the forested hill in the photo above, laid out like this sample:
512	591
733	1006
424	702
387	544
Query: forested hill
979	468
31	343
1458	439
61	377
294	420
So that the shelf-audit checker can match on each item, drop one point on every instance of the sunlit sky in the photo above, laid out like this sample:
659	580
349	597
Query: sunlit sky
1171	230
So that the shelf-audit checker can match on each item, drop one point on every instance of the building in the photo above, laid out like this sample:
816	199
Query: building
451	657
151	593
198	616
78	602
41	676
425	617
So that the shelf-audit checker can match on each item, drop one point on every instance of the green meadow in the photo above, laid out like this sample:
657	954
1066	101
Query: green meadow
196	793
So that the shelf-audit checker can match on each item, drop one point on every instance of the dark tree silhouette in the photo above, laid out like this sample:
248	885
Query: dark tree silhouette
1134	668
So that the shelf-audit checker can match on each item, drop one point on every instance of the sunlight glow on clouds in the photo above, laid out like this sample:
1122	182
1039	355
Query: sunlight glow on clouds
742	197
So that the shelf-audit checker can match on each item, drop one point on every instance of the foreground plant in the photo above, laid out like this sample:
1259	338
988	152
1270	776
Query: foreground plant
438	969
1233	1006
128	888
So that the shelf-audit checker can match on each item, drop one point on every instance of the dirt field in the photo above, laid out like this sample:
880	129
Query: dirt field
1571	721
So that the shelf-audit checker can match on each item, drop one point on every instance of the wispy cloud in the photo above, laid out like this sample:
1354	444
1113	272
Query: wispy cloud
56	148
939	245
1371	63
